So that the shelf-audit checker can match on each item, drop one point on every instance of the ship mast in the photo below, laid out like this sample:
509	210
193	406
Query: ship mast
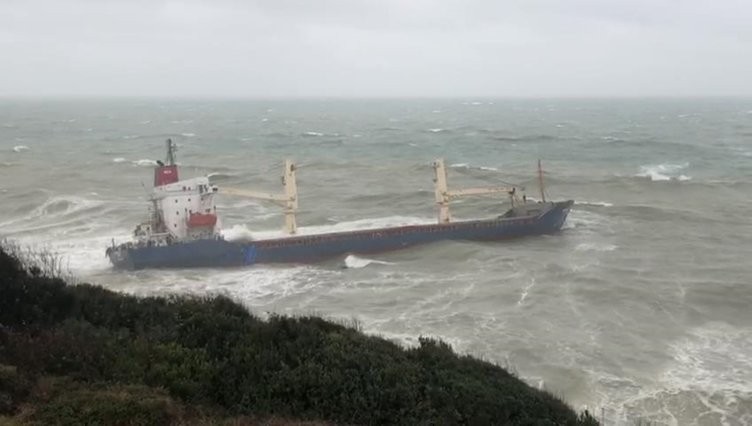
540	182
171	149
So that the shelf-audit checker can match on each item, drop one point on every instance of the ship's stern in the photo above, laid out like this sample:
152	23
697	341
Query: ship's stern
120	257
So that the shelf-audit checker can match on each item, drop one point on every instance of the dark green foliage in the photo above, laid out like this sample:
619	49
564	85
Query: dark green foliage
211	352
14	388
100	404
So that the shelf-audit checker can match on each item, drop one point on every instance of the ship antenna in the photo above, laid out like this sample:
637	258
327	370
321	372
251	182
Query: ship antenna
540	182
171	149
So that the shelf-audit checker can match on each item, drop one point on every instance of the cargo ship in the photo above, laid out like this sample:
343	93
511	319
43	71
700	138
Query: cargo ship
184	230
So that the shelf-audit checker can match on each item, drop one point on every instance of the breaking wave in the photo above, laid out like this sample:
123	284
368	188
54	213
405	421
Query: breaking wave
53	212
145	163
710	373
21	148
664	172
312	134
594	203
355	262
595	247
243	233
219	176
465	166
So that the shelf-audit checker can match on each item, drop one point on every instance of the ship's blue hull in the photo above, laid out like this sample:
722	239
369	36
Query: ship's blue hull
311	248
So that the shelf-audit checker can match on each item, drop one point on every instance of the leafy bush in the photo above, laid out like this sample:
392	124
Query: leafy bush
108	405
14	388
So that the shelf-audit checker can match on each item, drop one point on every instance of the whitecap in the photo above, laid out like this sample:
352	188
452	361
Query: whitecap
78	256
595	203
54	209
526	291
21	148
355	262
264	120
468	166
663	172
595	247
119	160
583	219
129	137
436	130
144	163
312	134
242	232
713	357
238	233
188	135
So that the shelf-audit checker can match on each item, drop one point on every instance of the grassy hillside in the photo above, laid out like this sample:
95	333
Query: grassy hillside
85	355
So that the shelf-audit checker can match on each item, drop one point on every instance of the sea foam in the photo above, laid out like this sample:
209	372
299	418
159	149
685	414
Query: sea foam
664	172
355	262
242	232
145	163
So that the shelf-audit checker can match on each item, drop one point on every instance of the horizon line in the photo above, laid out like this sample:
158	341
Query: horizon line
368	98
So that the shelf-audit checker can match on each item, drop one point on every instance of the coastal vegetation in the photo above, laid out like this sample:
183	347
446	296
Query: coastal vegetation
81	354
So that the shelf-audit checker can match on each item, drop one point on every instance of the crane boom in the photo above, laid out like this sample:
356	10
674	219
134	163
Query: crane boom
444	195
288	200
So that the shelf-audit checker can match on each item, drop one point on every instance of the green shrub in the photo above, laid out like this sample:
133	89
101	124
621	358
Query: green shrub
108	405
14	388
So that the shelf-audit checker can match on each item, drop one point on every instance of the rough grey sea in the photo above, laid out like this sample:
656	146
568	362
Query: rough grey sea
639	310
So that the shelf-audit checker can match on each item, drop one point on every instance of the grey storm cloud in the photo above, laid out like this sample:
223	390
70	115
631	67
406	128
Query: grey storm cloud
421	48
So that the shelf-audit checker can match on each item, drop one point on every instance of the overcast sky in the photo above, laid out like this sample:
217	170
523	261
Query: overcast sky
366	48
